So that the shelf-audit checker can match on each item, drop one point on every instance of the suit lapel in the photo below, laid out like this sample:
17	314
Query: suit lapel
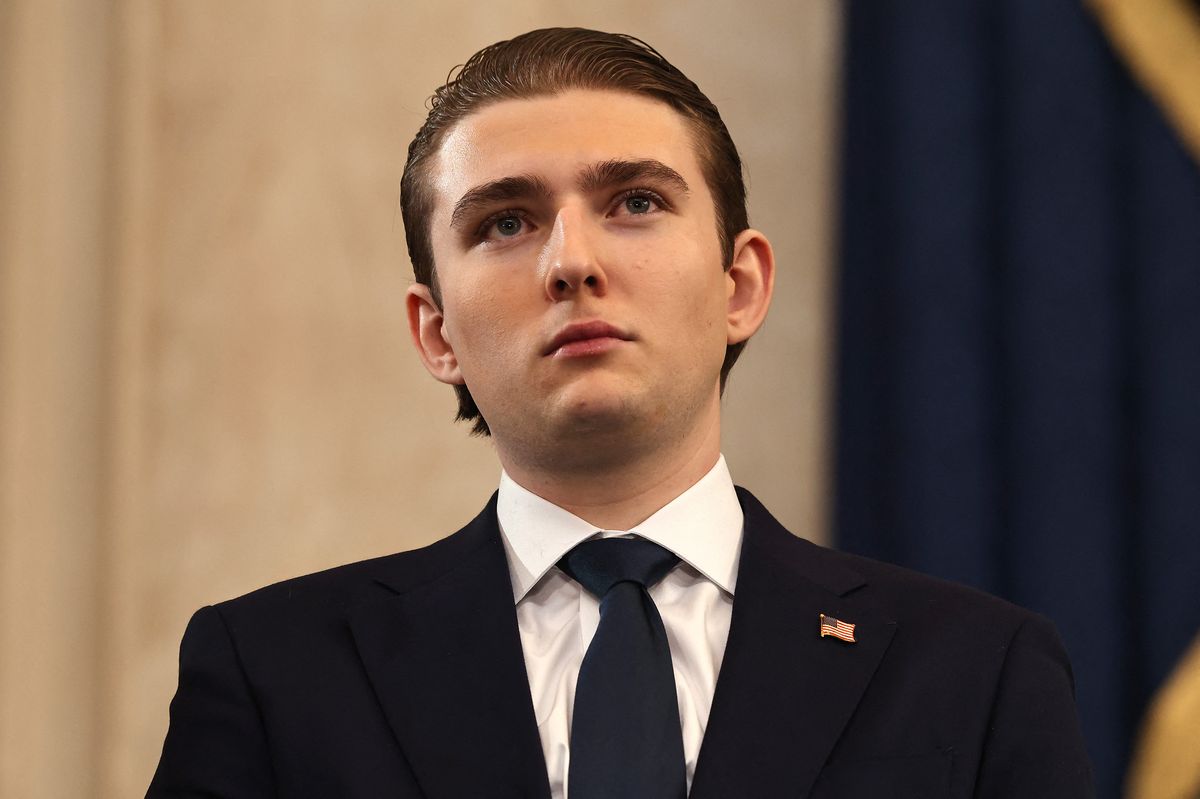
445	660
784	693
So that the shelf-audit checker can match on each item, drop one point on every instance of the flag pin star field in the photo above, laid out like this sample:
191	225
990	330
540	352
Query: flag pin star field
837	628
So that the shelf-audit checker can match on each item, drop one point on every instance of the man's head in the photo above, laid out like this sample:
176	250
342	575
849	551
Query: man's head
549	62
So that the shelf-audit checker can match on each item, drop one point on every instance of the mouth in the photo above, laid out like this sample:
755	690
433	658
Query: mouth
585	338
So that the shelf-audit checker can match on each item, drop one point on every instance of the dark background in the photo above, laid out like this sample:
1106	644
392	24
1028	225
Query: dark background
1019	325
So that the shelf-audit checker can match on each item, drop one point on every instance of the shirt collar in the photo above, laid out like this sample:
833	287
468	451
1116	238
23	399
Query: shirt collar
703	526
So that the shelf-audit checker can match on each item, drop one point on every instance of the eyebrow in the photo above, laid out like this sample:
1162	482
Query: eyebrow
613	172
517	187
591	178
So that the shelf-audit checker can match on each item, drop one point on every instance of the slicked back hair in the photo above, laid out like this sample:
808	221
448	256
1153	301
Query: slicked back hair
547	62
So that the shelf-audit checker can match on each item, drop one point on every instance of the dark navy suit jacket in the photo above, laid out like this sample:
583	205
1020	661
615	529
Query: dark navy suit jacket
404	677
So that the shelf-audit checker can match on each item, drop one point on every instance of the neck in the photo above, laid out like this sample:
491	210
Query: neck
621	492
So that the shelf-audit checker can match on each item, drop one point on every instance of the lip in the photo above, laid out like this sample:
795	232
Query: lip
586	338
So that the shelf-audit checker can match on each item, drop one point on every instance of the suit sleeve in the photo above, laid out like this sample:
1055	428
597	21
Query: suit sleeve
216	744
1034	743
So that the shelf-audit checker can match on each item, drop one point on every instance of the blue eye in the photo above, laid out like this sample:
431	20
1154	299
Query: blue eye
637	204
508	226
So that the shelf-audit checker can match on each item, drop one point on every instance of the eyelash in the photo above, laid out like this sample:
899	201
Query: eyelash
485	226
653	195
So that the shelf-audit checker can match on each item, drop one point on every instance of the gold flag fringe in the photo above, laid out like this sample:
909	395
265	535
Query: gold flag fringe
1160	41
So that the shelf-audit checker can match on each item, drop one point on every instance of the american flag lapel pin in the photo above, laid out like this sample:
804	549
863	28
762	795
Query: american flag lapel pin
837	628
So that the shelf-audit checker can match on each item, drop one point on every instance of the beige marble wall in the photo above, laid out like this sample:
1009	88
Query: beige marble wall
205	381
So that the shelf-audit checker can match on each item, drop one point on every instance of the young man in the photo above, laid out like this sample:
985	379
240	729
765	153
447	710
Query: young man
586	278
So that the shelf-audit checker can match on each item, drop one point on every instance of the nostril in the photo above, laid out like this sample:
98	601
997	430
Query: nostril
561	285
590	281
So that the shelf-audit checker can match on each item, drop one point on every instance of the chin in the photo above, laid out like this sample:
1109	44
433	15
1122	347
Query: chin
596	417
595	409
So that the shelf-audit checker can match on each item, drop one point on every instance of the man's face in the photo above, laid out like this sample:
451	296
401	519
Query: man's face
575	242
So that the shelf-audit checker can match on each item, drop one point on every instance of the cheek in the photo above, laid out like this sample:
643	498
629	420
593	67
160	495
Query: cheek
692	283
482	325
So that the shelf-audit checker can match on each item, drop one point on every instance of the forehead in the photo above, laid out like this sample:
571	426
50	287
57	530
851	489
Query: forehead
553	136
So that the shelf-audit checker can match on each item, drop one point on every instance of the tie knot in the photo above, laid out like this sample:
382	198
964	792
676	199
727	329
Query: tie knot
601	563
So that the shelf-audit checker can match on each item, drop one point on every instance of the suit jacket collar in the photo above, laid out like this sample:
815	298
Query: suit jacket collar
441	647
442	651
784	693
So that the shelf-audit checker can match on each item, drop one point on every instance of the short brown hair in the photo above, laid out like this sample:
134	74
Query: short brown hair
546	62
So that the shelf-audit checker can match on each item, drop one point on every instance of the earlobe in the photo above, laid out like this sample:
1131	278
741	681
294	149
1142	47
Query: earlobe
426	325
751	284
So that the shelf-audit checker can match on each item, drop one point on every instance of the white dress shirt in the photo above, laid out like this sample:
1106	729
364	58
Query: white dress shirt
557	618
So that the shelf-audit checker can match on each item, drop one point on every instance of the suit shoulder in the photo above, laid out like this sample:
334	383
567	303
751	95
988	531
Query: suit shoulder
932	606
897	592
889	576
339	586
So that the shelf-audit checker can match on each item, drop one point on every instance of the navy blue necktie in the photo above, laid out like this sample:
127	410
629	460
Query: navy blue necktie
626	741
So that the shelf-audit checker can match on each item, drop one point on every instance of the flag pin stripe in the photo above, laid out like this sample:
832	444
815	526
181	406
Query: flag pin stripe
837	628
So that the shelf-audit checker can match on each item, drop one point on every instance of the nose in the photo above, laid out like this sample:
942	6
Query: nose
570	258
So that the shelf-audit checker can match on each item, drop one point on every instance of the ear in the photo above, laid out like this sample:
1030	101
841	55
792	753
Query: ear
751	283
426	325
